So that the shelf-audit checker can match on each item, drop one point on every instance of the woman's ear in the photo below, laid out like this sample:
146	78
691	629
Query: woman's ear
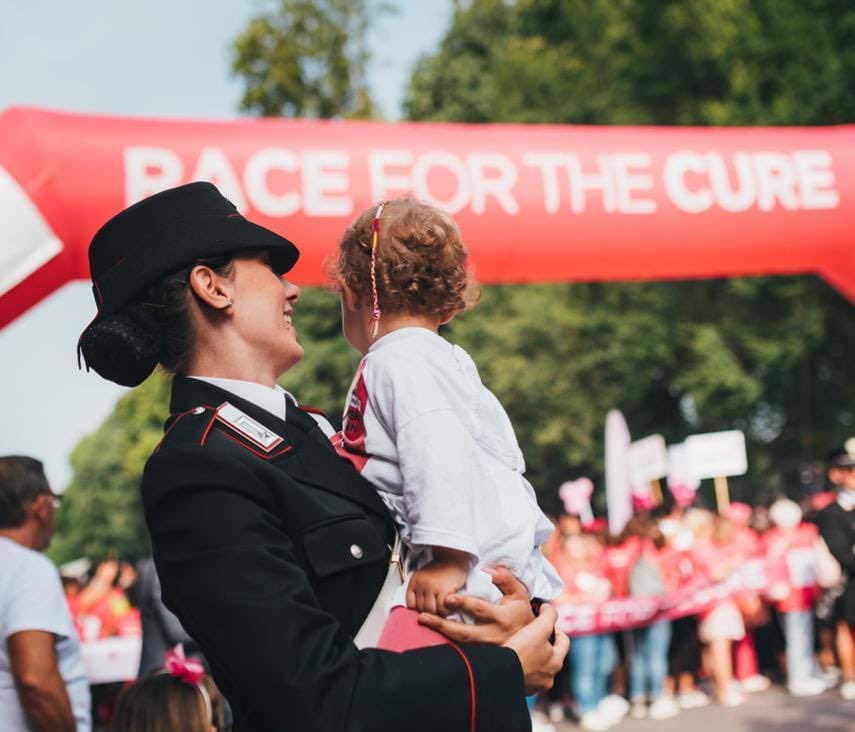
211	288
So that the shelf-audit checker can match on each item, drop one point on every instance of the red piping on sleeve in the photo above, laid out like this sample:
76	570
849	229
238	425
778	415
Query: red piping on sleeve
471	683
208	428
177	420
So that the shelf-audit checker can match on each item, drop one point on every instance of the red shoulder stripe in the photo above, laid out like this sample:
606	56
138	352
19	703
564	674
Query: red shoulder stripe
208	428
177	420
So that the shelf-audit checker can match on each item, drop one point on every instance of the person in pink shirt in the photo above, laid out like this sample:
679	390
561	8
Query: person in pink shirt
791	546
583	569
722	624
747	545
648	662
684	657
619	558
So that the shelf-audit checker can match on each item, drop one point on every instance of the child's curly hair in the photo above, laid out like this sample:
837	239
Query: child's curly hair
421	260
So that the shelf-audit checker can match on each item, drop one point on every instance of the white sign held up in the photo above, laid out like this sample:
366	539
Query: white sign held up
648	460
717	454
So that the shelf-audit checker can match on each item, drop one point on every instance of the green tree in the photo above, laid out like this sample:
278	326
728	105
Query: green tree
306	58
642	62
100	513
768	356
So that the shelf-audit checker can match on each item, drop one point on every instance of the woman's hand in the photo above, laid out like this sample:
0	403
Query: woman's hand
494	624
540	656
512	624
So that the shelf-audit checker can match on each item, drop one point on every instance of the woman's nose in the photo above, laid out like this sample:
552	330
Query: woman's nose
292	292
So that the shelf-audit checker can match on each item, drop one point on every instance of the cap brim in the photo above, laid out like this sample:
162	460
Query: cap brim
198	237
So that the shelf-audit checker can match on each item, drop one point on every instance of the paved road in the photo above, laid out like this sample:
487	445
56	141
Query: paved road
770	711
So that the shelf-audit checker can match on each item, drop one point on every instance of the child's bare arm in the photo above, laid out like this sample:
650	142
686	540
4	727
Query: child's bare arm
441	577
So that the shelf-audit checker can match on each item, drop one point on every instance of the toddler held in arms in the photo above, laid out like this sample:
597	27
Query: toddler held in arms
421	426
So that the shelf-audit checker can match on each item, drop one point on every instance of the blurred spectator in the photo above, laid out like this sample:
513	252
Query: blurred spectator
592	657
747	545
73	575
837	525
42	680
792	544
177	698
684	652
103	604
721	625
648	664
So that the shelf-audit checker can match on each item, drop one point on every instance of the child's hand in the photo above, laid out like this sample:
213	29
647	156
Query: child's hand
432	584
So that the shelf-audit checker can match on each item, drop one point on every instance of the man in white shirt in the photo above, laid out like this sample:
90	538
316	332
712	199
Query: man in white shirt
43	686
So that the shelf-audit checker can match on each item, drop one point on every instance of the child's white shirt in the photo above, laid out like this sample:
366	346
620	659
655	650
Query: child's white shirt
440	449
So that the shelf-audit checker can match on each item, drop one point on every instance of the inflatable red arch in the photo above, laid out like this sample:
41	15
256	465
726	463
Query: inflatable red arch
537	203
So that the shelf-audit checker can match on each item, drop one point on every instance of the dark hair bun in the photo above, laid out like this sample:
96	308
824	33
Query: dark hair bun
124	347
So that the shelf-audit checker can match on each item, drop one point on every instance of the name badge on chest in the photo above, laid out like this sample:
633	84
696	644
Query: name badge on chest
247	427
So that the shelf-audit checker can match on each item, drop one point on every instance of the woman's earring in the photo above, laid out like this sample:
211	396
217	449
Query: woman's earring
229	304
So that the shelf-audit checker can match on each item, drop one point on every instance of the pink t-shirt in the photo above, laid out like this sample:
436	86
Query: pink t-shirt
793	553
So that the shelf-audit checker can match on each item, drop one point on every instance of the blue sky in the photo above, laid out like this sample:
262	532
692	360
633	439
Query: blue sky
158	58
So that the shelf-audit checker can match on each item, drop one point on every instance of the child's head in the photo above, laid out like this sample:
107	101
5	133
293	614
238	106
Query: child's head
162	702
419	269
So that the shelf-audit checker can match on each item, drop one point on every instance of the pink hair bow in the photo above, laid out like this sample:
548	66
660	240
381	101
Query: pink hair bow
186	669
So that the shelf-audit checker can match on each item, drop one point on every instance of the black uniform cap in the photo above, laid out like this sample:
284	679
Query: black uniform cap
843	457
170	230
138	247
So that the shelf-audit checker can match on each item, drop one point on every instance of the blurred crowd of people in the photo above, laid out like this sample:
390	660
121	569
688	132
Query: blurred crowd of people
99	604
797	629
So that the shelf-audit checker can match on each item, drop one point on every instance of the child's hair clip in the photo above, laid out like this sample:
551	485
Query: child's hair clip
375	312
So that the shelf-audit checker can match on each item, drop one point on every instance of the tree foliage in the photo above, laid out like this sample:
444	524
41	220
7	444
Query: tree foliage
305	58
768	356
101	513
736	62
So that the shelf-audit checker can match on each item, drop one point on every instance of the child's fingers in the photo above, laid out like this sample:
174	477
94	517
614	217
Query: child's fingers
429	604
411	600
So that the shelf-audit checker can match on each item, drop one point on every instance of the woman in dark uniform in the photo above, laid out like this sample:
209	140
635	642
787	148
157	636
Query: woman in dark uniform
271	550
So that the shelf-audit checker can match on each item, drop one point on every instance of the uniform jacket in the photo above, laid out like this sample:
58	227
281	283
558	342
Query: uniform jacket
837	526
272	558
